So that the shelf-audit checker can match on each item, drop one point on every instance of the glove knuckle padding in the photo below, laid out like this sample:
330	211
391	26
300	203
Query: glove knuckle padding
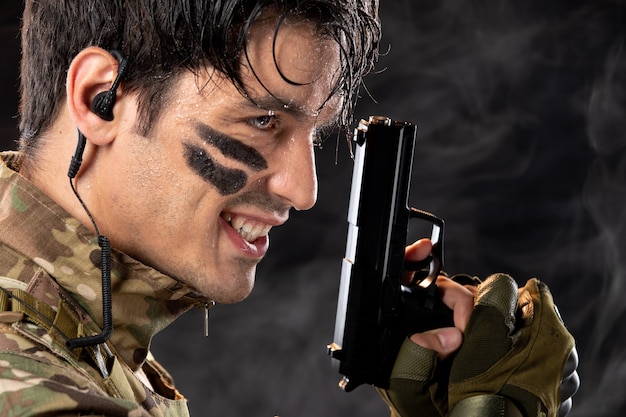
500	355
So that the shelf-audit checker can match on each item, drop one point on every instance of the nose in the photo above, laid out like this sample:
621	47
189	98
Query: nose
294	178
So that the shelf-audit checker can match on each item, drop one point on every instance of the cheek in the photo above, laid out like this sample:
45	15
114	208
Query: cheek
226	180
149	182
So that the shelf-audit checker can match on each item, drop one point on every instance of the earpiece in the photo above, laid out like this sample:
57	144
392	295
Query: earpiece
103	103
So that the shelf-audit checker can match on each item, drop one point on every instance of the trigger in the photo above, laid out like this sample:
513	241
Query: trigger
421	270
418	265
426	272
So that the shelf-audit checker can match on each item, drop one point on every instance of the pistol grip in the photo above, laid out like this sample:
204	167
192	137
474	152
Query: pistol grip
423	309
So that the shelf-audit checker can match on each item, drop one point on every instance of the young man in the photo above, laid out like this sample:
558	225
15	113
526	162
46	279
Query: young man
192	126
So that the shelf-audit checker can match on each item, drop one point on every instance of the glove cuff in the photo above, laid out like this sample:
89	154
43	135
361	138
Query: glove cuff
485	405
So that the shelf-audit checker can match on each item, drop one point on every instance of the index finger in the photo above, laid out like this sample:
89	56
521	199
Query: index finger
416	251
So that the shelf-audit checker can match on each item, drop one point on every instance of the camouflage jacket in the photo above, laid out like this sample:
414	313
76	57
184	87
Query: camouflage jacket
50	290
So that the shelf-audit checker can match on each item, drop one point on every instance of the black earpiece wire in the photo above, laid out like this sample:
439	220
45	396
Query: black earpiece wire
105	261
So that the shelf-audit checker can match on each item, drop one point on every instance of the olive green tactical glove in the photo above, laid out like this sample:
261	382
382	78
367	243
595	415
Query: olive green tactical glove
413	383
516	347
511	363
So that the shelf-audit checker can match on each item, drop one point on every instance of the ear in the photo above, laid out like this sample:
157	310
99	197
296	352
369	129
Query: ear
91	72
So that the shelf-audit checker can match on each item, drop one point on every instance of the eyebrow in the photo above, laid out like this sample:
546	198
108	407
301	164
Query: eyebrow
299	112
270	102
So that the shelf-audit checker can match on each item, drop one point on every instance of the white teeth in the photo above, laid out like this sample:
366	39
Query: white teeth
249	231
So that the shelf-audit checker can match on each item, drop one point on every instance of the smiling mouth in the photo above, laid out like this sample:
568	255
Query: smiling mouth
249	230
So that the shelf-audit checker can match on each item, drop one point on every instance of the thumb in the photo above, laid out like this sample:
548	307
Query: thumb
444	341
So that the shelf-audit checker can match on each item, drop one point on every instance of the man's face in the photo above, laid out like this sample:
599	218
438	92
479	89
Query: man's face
196	199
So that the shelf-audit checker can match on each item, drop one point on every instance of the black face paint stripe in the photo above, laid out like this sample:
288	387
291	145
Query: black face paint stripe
226	180
232	148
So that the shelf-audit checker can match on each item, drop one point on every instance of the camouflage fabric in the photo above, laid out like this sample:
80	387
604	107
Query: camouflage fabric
54	260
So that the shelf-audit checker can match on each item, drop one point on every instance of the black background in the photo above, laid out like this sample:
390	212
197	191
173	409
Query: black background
521	108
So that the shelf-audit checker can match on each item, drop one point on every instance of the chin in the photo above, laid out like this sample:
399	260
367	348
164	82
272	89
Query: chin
237	290
231	297
230	289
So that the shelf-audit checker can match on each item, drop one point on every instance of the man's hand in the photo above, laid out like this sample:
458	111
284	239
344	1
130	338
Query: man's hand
513	346
460	299
516	347
421	370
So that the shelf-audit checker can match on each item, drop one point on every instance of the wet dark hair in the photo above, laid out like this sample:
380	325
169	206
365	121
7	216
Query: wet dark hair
164	38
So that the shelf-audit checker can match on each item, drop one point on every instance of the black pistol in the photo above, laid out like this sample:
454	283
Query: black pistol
376	310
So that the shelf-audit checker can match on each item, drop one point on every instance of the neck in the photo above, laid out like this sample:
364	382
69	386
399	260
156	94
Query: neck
47	168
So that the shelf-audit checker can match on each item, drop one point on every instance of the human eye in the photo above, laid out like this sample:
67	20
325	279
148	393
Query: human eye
265	122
